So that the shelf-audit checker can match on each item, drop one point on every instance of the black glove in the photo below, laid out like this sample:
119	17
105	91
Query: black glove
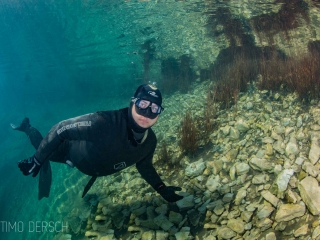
168	193
29	165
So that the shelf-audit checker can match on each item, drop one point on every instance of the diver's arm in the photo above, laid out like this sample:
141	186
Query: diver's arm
149	173
78	128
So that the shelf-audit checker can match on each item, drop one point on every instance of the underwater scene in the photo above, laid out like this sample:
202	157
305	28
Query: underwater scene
231	89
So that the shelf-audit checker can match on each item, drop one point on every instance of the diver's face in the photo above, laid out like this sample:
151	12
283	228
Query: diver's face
142	121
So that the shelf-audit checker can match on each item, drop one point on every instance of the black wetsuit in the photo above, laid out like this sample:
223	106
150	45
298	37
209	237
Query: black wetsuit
100	144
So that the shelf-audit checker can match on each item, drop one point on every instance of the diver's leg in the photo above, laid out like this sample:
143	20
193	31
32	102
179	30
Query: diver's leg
35	137
33	134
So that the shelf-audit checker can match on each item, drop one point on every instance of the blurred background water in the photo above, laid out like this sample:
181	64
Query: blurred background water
60	59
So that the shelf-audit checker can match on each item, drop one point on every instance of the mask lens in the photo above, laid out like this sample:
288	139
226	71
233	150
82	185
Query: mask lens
143	104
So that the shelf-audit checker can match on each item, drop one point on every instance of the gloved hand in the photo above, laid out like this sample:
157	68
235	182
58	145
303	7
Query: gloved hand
29	165
168	193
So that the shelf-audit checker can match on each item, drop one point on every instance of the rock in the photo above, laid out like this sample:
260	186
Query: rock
161	235
225	130
264	224
314	153
175	217
241	194
236	225
259	179
316	233
249	105
241	126
246	215
195	169
292	149
194	217
186	203
310	192
270	198
232	154
163	222
162	209
148	235
299	122
213	183
226	233
260	164
215	166
264	211
242	168
301	231
283	179
234	133
183	235
287	212
311	169
271	236
228	197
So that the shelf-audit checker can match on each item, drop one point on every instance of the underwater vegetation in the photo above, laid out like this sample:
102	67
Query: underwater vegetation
176	74
287	18
165	157
188	134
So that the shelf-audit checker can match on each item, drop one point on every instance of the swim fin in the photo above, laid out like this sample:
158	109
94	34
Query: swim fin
45	180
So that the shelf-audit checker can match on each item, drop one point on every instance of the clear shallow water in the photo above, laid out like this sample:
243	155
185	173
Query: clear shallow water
59	59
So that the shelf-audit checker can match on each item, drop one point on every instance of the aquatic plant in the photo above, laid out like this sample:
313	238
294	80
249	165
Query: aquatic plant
188	134
165	157
287	18
177	75
272	70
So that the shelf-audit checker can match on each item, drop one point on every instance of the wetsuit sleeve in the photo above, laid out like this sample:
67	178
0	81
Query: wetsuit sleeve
147	171
78	128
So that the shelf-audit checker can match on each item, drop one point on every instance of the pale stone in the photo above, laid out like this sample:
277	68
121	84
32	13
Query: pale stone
225	130
234	133
232	154
287	212
299	122
264	224
241	194
260	164
242	168
148	235
264	211
246	215
283	179
310	192
161	235
301	231
183	235
226	233
271	236
311	169
195	169
259	179
241	125
186	203
236	225
292	149
314	153
213	183
270	198
316	232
